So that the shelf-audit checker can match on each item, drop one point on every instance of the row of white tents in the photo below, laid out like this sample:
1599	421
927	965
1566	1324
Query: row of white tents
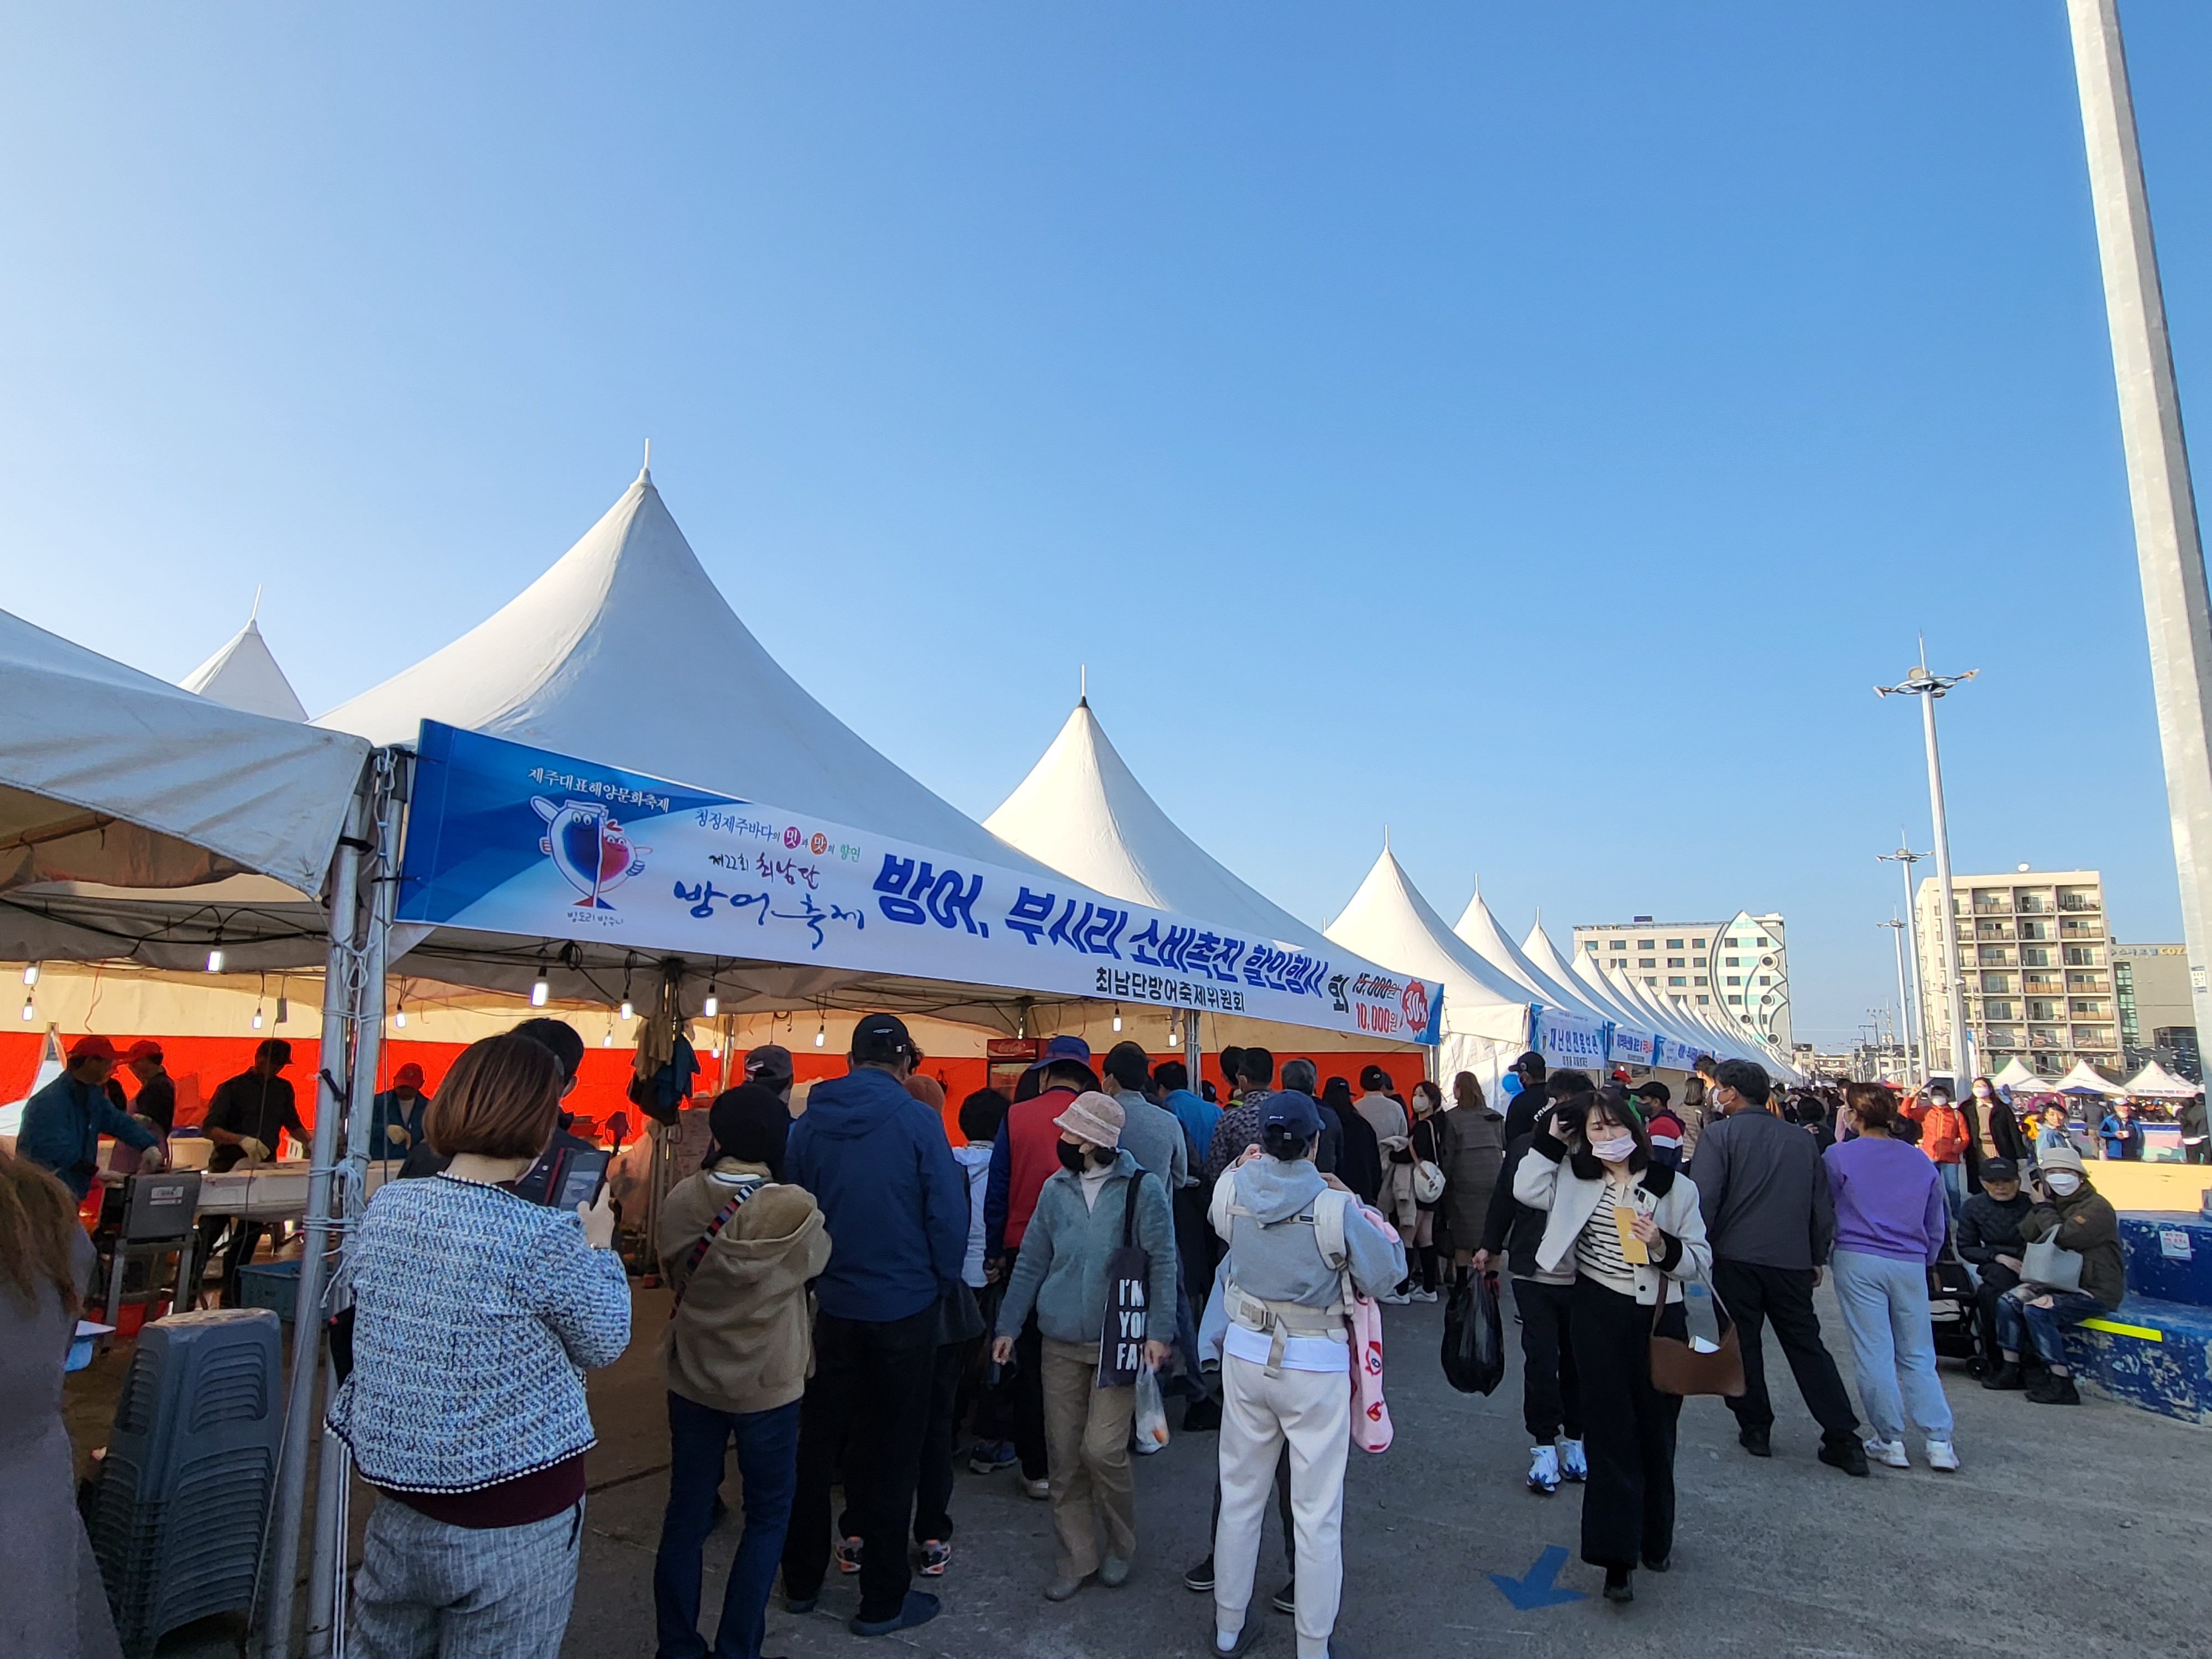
2153	1082
625	651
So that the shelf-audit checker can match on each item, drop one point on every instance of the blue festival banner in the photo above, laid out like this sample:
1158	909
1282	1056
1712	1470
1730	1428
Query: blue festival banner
506	839
1633	1048
1571	1040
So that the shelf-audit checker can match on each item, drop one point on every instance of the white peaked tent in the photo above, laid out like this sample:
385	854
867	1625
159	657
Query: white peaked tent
110	775
1539	949
1081	812
625	653
1478	929
2154	1082
1486	1015
2016	1077
2085	1080
244	675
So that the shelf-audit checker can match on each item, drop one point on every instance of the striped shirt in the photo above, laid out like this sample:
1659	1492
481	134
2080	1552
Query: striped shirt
1597	1247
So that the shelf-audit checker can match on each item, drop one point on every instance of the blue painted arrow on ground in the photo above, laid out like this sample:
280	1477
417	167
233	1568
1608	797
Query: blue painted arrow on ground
1539	1587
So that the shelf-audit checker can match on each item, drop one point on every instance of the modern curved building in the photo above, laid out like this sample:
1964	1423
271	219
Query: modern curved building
1736	969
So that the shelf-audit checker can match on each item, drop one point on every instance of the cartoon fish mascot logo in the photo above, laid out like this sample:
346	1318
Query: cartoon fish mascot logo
1415	1004
588	848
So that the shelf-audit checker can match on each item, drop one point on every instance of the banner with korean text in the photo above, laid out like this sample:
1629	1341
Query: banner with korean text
1571	1040
504	838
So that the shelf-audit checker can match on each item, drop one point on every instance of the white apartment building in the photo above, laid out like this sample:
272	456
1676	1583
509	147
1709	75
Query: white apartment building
1739	968
2035	953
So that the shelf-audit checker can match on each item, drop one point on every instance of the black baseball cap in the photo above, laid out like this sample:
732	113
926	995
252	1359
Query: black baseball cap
1292	1109
1654	1090
1999	1168
881	1039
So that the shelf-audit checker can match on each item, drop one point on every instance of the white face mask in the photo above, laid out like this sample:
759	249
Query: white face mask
2065	1183
1981	1091
1615	1150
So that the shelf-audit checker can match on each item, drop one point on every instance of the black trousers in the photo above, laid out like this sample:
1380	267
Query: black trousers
872	1379
1783	1296
1025	1400
1628	1506
1550	1396
932	1497
1995	1280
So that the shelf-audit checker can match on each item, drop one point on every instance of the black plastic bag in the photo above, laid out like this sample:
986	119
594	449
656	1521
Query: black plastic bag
1474	1337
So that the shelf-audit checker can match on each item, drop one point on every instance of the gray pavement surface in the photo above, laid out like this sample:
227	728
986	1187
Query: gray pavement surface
2081	1531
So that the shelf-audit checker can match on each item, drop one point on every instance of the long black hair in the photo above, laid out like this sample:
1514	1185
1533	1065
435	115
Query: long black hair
1621	1108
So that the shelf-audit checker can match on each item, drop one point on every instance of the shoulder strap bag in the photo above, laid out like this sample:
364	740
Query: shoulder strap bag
698	1252
1677	1368
1128	1288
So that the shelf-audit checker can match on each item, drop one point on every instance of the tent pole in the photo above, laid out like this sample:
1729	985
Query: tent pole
307	1328
334	1468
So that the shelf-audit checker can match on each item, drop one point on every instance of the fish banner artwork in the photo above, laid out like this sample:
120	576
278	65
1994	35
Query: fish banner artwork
504	838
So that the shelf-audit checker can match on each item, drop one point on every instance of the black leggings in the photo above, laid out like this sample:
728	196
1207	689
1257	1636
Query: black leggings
1551	1397
1628	1507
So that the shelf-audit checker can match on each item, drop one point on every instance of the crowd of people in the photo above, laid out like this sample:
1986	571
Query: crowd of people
855	1298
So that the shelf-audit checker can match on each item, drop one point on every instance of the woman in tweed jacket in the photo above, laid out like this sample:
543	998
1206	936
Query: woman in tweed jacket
476	1315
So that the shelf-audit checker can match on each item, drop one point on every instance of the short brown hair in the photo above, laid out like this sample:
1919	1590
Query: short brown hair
500	1100
1874	1106
37	1227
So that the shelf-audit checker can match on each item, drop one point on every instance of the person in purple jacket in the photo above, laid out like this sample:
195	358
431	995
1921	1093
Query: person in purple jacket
1891	1219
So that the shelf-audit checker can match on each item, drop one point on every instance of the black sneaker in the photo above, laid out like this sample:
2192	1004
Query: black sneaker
1658	1563
1754	1441
1201	1416
1618	1585
2007	1375
1286	1599
2054	1391
1847	1455
1199	1577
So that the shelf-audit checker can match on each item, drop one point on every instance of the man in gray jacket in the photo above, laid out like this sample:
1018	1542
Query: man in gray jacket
1772	1220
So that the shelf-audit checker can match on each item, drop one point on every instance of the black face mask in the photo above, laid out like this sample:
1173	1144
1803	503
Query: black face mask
1071	1157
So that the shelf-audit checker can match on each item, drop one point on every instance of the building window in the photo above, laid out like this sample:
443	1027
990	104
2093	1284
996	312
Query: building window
1646	944
1701	979
1767	979
1735	979
1735	999
1651	979
1673	945
1621	962
1704	1002
1676	961
1699	962
1735	945
1734	962
1647	962
1676	979
1697	944
1762	941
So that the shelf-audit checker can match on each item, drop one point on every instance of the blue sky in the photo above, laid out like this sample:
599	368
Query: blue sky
1534	428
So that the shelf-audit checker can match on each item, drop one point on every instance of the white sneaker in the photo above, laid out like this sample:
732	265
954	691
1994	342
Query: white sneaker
1394	1300
1573	1466
1890	1452
1038	1488
1543	1470
1424	1295
1943	1455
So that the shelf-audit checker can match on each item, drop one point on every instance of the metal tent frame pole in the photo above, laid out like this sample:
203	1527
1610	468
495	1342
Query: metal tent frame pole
283	1561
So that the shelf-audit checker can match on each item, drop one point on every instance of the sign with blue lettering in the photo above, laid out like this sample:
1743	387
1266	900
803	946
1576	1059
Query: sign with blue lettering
507	839
1571	1040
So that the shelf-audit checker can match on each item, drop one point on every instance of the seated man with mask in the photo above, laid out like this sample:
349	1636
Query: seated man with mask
2074	1215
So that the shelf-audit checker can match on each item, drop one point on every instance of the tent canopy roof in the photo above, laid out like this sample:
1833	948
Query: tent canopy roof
108	774
244	675
2085	1080
2154	1082
1479	931
2015	1075
626	649
1388	921
1082	812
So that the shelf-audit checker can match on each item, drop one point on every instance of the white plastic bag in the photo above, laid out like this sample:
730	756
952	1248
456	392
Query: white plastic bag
1152	1419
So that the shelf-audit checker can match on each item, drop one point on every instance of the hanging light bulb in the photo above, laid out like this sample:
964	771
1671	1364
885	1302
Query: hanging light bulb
540	990
626	1009
1175	1037
30	1010
399	1015
608	1040
283	1008
1117	1016
215	960
30	973
713	1005
257	1017
821	1034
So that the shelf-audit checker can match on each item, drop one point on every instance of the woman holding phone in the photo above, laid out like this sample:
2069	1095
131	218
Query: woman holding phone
1633	1232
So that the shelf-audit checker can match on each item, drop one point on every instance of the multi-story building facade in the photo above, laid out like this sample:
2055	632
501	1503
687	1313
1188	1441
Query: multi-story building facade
1737	969
2158	1019
2035	954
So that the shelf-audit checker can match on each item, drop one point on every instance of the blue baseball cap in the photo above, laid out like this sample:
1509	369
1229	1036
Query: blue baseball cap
1290	1108
1063	1048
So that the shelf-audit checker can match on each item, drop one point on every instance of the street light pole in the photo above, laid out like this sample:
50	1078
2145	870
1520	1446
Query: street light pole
1905	858
2169	556
1904	1008
1927	687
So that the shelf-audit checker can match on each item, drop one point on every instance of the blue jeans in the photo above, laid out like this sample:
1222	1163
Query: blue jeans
1885	1303
768	1459
1954	1187
2016	1321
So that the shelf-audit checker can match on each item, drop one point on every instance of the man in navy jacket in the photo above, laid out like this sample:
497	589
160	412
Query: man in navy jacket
896	1202
63	1121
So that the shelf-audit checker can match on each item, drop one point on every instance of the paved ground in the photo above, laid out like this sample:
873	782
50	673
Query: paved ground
2082	1531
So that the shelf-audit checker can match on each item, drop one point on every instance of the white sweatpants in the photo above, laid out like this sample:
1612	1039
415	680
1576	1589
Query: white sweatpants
1312	1410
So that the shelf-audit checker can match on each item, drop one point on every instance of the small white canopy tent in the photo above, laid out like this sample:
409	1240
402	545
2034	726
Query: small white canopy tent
244	675
2083	1078
1478	929
1485	1020
1082	812
2016	1077
1622	1011
2154	1082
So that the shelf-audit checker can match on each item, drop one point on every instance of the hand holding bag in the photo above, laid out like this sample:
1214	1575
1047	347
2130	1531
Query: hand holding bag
2048	1268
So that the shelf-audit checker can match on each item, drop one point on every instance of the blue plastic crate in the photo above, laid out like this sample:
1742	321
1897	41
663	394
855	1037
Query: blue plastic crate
274	1284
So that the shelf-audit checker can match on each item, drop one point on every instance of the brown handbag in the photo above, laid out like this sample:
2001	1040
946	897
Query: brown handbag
1677	1368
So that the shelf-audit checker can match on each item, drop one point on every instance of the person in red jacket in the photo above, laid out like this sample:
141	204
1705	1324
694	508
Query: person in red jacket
1943	1138
1023	1156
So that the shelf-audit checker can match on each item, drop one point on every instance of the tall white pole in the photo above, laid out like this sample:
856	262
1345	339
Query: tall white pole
2169	556
1904	1008
1954	984
1905	858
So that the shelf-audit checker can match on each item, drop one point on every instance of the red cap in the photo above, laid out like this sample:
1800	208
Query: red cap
408	1076
144	1048
94	1047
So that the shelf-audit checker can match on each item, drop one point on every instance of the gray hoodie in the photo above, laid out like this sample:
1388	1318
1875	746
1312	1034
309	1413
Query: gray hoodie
1061	1269
1273	1255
